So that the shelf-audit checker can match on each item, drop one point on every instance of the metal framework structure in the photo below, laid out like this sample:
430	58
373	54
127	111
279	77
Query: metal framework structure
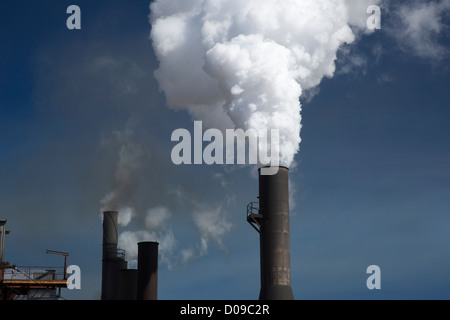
30	282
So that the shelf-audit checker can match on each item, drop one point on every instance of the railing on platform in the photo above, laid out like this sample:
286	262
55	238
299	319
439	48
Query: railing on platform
34	273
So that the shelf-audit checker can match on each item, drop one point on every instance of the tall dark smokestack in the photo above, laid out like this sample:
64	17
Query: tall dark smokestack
271	220
147	277
113	259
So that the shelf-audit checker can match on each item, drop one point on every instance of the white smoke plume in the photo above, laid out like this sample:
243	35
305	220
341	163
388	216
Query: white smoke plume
421	26
244	64
157	230
157	217
125	216
232	64
211	223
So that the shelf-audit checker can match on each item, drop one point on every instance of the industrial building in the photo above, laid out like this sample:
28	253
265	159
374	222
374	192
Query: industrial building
269	216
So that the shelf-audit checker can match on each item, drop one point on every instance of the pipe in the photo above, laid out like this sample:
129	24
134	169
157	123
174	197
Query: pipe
147	277
2	247
2	240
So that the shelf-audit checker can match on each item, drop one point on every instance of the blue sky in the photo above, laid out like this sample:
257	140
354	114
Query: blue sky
371	183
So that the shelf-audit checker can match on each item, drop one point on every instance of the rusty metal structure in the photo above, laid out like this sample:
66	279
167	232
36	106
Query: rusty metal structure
32	283
29	282
270	217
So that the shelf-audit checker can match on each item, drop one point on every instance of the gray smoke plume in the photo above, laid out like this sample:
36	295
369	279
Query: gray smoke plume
126	175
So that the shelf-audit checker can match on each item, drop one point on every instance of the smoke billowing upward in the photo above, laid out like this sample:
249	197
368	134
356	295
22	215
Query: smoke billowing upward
231	64
165	204
245	64
126	175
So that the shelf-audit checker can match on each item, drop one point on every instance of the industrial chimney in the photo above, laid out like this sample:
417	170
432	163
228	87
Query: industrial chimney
147	275
270	217
113	259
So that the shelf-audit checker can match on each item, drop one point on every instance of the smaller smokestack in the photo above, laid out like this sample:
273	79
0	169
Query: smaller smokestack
147	277
110	234
113	259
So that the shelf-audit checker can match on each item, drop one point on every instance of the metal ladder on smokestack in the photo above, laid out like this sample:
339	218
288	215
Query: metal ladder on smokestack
253	215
